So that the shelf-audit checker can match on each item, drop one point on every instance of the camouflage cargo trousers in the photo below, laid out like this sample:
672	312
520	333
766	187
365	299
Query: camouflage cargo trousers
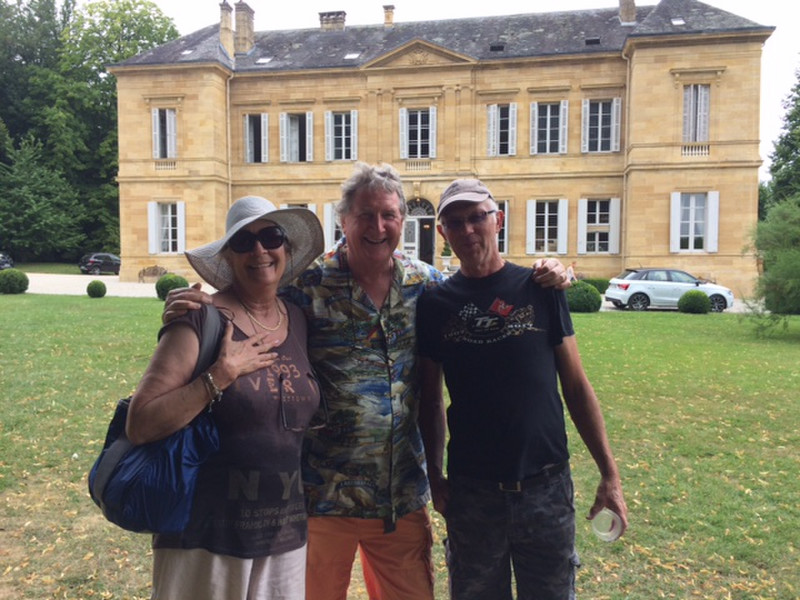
529	525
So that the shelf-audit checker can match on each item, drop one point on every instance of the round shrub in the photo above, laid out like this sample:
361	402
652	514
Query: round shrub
694	301
599	283
168	282
13	281
583	297
96	289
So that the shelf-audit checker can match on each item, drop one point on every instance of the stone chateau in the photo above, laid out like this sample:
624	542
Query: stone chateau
618	137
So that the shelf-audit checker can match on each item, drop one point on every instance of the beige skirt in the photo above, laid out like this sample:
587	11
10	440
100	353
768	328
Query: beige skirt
201	575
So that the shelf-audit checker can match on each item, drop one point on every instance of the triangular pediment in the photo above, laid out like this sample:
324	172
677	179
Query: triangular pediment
418	53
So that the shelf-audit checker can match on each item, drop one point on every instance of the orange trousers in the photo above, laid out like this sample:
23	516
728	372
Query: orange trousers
397	565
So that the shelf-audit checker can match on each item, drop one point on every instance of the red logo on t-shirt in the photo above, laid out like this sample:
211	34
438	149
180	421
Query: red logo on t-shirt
499	307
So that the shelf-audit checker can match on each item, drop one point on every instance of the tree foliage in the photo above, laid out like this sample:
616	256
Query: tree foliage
777	242
785	165
40	216
57	96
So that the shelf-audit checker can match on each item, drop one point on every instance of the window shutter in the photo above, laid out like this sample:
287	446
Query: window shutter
284	134
616	123
563	225
328	135
181	206
512	129
354	134
563	127
703	110
585	126
432	138
172	133
583	204
534	134
614	226
156	134
505	206
248	141
530	227
264	137
688	114
329	231
712	218
491	130
309	136
675	222
153	228
403	132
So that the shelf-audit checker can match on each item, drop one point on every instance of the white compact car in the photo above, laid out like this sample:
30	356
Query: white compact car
639	289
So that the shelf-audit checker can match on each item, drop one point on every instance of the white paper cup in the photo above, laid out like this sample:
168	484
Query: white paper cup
607	525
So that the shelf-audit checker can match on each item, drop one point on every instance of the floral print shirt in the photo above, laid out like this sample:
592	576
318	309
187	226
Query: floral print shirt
368	462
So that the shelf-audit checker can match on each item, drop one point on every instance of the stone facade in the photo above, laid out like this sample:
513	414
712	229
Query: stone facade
632	192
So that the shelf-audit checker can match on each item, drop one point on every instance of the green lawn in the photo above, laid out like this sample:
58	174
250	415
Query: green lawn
702	414
54	268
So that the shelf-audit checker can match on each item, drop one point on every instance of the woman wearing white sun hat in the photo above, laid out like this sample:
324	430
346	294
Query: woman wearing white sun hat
247	534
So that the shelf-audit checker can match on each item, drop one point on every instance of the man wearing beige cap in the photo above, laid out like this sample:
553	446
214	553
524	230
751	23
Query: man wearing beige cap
503	343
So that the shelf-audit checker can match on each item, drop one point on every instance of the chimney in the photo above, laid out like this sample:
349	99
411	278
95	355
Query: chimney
226	27
332	21
243	41
627	12
388	15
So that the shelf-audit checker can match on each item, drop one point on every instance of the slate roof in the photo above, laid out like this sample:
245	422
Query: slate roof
519	36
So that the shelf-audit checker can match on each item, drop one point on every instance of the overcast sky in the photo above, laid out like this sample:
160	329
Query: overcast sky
781	56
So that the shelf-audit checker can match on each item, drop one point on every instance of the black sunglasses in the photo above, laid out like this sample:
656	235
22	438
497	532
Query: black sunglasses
270	237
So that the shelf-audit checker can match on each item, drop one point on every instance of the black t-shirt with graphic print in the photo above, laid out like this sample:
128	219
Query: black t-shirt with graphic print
495	337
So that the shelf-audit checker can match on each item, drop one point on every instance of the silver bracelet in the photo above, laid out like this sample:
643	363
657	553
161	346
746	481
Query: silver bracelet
214	393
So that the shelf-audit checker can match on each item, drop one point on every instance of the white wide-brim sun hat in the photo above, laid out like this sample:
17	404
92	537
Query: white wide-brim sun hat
303	233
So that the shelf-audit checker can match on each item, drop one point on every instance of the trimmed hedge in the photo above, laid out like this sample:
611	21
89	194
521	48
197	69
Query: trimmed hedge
168	282
583	297
599	283
13	281
96	289
694	301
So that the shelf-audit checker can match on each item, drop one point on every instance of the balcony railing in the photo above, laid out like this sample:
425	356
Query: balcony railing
696	149
416	166
166	165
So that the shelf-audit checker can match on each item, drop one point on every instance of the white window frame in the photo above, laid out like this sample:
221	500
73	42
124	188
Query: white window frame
405	136
562	221
164	236
495	129
536	132
290	137
683	212
612	227
165	136
341	142
591	135
696	112
249	139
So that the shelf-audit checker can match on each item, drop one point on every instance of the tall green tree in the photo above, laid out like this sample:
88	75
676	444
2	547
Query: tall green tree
40	215
56	93
777	242
785	166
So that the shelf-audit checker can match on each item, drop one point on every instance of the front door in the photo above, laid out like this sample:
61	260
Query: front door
419	234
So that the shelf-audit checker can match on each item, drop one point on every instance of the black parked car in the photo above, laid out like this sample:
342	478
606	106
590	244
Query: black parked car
99	262
6	262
